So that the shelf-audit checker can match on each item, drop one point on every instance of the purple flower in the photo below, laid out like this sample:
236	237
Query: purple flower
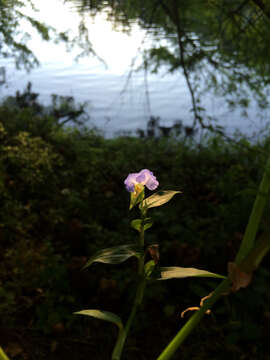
144	177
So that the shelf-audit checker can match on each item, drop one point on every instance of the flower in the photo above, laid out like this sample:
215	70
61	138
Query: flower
144	177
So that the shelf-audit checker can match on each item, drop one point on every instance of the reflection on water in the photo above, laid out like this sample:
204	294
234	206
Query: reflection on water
120	98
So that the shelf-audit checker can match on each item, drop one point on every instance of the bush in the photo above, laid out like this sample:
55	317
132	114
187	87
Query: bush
62	197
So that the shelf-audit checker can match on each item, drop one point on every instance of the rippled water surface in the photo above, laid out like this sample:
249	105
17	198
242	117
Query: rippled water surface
118	97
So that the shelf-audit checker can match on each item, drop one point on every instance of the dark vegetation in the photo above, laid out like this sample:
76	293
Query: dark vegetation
63	198
62	194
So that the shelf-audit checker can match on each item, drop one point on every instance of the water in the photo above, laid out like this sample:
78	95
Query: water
118	98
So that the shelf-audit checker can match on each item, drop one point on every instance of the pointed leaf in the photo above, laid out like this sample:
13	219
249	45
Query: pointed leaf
151	270
148	268
136	224
114	255
180	272
159	198
148	222
137	196
102	315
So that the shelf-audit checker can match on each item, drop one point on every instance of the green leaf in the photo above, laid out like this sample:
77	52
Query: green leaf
151	270
136	196
136	224
159	198
180	272
148	222
114	255
148	268
102	315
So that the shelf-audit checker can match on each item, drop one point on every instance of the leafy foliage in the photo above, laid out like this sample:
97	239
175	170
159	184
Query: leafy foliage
12	43
13	38
56	189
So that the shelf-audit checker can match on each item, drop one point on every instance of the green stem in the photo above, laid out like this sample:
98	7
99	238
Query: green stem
255	216
118	349
193	321
245	252
3	356
254	258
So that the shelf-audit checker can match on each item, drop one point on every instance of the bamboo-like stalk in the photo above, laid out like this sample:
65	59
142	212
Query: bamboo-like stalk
246	252
193	321
255	216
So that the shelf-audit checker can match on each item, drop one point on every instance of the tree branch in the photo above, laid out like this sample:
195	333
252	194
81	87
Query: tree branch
174	16
265	9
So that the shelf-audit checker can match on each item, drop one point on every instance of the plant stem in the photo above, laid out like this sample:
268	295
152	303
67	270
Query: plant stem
255	216
118	349
3	356
193	321
245	253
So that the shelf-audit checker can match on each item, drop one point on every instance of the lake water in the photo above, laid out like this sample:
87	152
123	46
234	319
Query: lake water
118	97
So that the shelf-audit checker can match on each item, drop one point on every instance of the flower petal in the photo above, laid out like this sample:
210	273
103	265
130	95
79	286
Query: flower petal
130	182
152	183
144	177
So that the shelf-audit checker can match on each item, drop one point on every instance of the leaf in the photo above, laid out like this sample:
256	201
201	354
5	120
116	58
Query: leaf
136	196
159	198
102	315
148	268
180	272
136	224
114	255
151	270
148	222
